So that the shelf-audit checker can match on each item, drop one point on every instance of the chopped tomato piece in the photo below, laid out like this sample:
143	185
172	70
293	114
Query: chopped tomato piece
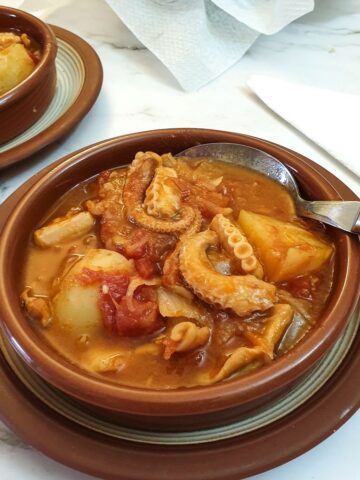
116	283
146	267
138	317
134	316
138	243
147	249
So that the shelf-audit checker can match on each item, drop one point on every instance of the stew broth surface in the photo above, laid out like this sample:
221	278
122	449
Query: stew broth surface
139	359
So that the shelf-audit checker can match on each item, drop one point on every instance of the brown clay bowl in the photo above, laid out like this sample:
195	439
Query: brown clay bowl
182	409
24	104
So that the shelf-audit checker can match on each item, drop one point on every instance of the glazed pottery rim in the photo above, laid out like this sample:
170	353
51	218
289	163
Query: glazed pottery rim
204	399
74	113
47	58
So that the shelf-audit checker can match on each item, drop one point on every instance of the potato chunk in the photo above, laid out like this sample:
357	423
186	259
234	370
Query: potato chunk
64	228
15	66
77	305
285	249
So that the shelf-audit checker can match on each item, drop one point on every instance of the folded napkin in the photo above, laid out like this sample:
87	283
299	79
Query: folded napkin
197	40
329	118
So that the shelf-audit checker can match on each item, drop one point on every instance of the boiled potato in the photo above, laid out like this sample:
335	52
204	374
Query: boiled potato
15	66
99	259
285	249
77	305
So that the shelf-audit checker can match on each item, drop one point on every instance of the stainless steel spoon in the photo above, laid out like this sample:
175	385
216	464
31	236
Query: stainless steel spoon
340	214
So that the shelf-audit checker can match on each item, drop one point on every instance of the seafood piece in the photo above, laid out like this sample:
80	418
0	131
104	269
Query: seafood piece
147	248
243	294
135	283
171	273
282	315
185	336
144	246
162	197
104	360
110	207
240	358
140	174
172	304
237	245
264	345
64	228
37	307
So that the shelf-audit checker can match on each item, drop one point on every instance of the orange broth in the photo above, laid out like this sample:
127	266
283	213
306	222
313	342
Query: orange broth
144	365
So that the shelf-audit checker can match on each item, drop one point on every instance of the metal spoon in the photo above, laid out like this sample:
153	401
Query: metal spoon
340	214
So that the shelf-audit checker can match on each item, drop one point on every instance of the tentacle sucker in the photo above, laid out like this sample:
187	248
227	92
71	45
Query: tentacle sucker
139	177
171	274
237	245
243	294
162	197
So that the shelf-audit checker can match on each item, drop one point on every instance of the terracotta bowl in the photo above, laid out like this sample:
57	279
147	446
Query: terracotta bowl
24	104
182	409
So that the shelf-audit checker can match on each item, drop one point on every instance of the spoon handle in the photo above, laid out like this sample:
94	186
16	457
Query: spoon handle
344	215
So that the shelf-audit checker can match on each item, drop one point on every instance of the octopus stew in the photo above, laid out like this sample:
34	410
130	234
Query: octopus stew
19	55
175	273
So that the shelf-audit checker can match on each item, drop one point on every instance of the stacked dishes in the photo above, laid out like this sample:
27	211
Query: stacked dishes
207	415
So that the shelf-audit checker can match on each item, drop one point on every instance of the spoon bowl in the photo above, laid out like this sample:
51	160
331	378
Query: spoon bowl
339	214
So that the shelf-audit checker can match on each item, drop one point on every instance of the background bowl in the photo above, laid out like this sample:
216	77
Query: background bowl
181	409
24	104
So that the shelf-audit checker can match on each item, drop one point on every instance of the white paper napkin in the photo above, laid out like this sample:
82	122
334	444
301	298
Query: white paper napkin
197	40
266	16
329	118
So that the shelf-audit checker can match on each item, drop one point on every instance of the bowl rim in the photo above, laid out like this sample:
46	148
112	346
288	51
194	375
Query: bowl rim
196	400
47	58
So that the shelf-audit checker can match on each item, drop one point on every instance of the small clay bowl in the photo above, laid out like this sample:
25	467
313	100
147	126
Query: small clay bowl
181	409
24	104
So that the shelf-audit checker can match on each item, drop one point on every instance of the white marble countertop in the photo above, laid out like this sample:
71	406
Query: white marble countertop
321	49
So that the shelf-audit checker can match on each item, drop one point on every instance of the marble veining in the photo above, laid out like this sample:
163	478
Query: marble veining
8	439
321	49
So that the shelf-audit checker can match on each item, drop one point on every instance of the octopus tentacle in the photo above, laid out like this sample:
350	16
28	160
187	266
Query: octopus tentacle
237	245
139	177
185	336
243	294
162	199
171	272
